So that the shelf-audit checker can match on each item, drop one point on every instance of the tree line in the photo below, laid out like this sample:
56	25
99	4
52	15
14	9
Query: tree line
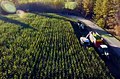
104	12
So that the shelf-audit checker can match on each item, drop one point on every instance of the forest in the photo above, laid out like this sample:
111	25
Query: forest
105	13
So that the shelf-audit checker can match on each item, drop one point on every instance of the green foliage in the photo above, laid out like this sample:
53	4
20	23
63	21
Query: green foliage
70	5
51	51
88	6
101	22
101	11
58	4
97	9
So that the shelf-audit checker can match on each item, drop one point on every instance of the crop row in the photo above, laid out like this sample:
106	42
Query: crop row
51	51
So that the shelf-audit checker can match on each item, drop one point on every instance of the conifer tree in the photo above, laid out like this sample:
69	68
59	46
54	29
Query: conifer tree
101	11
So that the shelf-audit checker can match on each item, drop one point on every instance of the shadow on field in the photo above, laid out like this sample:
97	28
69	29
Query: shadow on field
52	16
110	64
23	25
76	29
37	7
79	33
